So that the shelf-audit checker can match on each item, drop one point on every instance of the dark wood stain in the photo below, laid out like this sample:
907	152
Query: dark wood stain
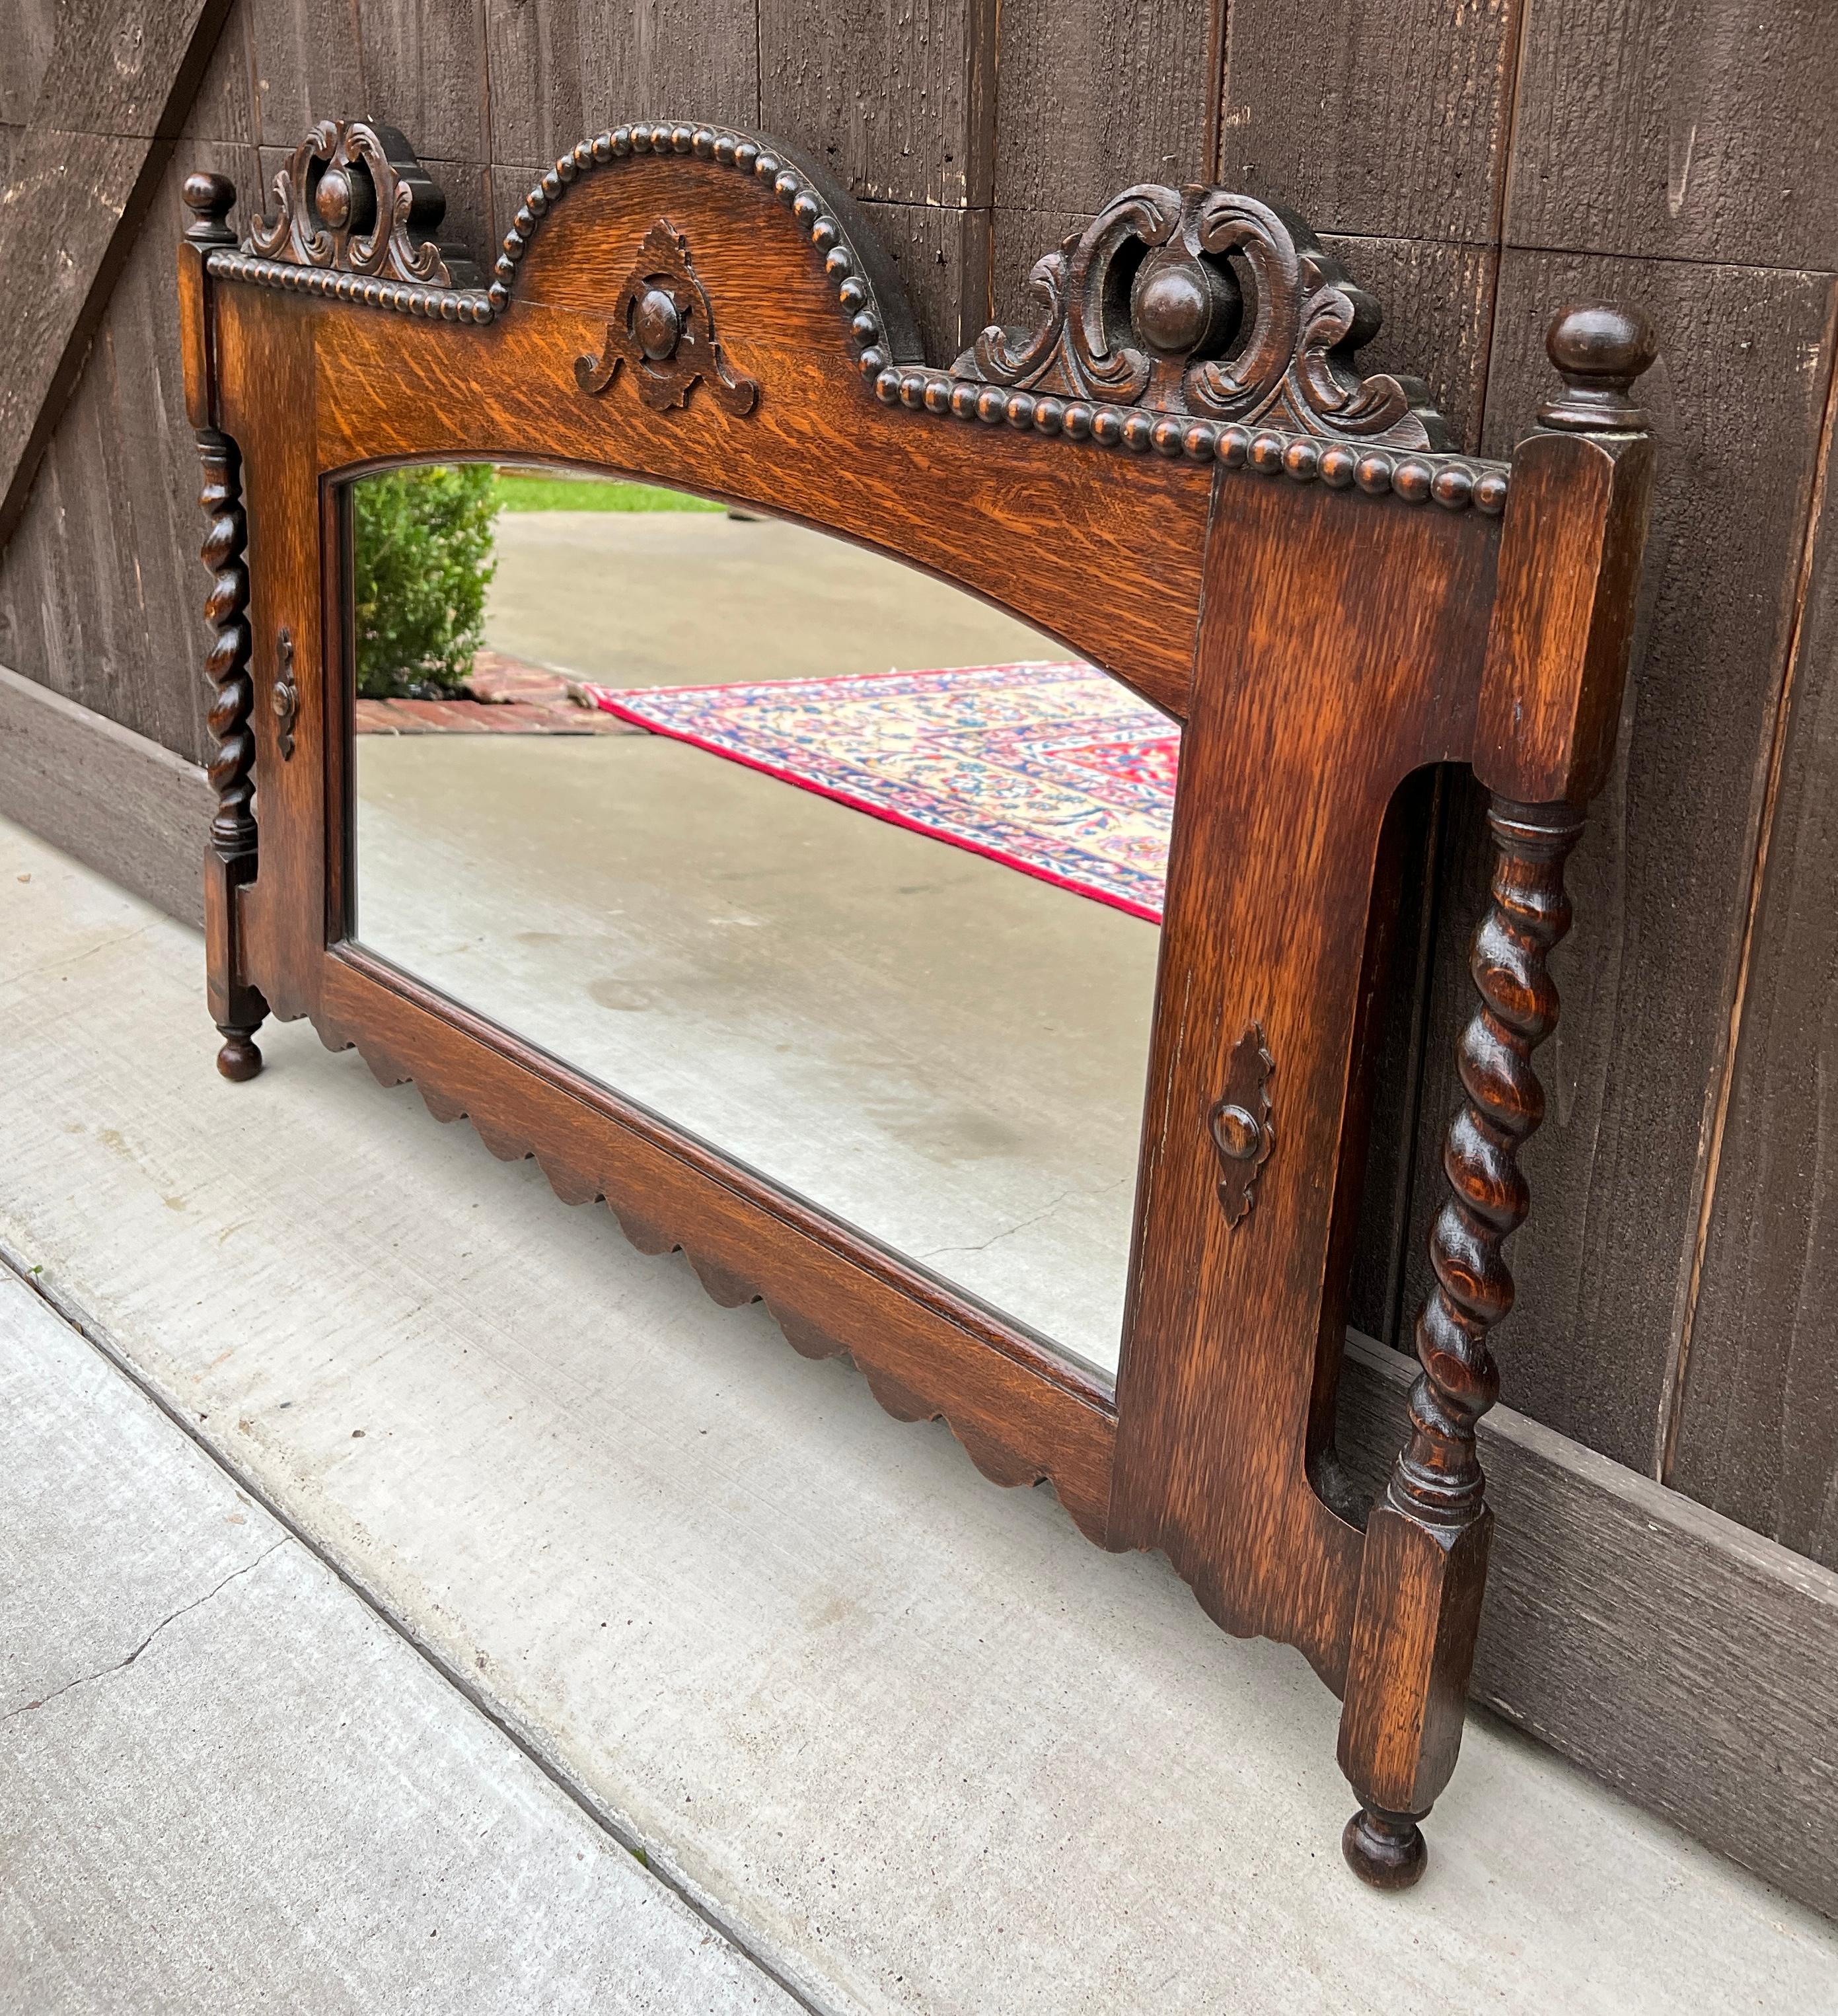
1689	140
1269	542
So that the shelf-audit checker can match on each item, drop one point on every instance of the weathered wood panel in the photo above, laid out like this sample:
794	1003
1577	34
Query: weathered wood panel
424	74
126	805
1685	129
100	586
563	69
129	68
1756	1431
1092	98
28	28
1389	120
897	102
1661	878
61	242
224	108
112	93
1438	300
308	63
943	257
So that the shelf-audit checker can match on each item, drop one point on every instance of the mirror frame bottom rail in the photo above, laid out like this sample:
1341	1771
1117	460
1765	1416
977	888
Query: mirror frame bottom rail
1024	1414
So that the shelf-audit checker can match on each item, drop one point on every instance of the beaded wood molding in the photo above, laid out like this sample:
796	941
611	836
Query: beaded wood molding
1198	324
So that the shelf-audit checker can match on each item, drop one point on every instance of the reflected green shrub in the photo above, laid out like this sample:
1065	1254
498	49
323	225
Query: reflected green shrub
422	559
519	492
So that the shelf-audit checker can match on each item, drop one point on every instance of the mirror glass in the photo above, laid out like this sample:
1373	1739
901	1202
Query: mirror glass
824	860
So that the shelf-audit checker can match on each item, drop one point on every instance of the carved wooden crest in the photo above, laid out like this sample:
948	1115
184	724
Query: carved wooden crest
1210	304
354	199
663	327
1240	1123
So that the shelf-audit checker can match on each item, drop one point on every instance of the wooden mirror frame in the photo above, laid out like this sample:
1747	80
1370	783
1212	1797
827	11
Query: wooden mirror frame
1179	471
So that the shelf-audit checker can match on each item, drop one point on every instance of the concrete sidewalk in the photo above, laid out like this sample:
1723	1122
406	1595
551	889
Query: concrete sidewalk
225	1783
917	1744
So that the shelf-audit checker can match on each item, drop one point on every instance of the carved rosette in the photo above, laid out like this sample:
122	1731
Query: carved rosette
1204	303
1437	1477
663	327
1205	325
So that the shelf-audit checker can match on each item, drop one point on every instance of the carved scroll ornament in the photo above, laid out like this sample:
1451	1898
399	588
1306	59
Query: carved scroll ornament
663	327
1203	324
354	198
1211	304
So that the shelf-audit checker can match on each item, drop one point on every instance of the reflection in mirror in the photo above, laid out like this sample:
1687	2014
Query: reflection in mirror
827	861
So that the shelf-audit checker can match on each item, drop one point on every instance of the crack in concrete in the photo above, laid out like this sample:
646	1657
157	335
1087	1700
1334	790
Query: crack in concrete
120	1666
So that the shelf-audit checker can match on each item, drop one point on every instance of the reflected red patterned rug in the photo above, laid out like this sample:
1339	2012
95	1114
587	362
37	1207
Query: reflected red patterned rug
1054	769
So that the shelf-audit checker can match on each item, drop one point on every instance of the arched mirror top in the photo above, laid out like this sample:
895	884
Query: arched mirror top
1198	322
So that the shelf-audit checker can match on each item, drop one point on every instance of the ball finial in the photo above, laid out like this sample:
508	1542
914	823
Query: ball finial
239	1059
1386	1850
1599	350
208	197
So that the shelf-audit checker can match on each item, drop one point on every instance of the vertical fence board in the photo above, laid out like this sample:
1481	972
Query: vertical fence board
1686	129
943	257
1092	98
561	69
308	66
1388	119
895	102
1756	1436
424	74
28	28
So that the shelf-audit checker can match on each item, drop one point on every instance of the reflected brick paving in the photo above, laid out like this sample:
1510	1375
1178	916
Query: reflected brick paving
505	697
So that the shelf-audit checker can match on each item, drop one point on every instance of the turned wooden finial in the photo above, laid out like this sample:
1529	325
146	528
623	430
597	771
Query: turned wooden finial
208	198
1598	350
1386	1850
239	1059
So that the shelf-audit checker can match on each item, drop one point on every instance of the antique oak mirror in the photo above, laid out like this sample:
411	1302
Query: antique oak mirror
895	1087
